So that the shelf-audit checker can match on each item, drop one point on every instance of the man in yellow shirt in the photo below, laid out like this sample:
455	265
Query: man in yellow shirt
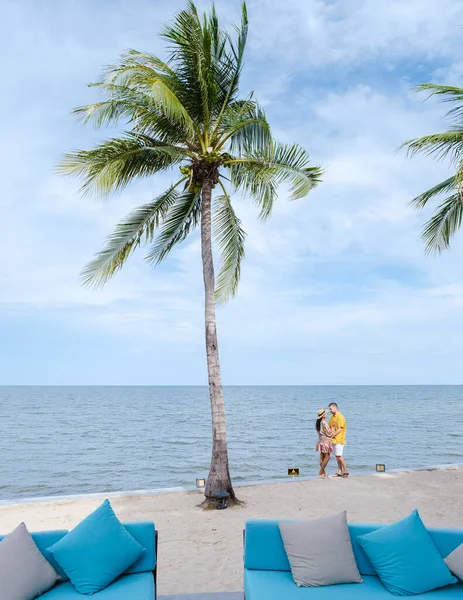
338	427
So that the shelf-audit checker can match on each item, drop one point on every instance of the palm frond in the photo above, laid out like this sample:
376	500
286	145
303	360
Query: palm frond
441	188
291	163
229	66
257	180
261	172
190	55
236	112
142	78
441	145
137	228
229	237
446	93
135	107
242	36
245	127
139	113
140	60
181	218
110	166
109	112
440	229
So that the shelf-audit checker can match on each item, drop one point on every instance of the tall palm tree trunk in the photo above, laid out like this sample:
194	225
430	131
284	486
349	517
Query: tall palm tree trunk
219	479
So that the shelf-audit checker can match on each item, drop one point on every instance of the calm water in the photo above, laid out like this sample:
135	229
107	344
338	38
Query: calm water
74	440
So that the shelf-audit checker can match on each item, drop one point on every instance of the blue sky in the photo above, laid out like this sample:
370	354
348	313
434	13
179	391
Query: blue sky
335	289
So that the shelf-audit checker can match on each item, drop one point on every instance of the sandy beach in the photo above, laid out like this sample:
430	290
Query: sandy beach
201	551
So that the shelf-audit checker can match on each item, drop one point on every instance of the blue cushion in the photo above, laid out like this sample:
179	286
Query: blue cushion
363	562
139	586
44	539
97	551
279	585
144	533
446	540
405	557
263	546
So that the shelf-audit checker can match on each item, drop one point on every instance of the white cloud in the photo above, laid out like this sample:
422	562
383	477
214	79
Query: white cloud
342	269
347	33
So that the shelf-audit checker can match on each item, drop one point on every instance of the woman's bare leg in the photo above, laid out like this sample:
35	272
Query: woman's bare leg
326	461
320	472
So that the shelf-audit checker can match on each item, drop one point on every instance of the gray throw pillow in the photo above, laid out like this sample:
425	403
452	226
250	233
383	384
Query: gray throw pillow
24	572
320	551
454	561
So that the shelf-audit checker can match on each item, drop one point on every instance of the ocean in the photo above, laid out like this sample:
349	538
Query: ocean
78	440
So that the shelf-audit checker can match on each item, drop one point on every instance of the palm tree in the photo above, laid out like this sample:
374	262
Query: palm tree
185	113
447	219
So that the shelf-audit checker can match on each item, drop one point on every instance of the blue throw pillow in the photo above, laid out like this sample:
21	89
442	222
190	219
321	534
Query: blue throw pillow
405	557
97	551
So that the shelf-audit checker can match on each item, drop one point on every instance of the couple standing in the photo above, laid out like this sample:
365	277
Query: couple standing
331	438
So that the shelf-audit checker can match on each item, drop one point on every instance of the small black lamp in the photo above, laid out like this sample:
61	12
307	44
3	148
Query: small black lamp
200	483
222	500
293	472
380	468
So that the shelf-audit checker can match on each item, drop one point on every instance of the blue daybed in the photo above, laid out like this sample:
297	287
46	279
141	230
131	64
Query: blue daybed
137	583
267	574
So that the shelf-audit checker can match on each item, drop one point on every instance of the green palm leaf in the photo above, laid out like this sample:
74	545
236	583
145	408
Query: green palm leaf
441	188
257	180
439	230
230	65
139	73
229	237
137	228
245	128
292	166
134	107
258	174
441	145
139	114
113	164
110	112
190	49
181	218
449	93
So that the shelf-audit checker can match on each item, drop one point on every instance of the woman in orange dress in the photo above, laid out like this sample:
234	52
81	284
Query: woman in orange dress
324	445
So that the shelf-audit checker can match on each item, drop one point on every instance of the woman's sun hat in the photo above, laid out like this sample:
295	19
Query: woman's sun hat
321	413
